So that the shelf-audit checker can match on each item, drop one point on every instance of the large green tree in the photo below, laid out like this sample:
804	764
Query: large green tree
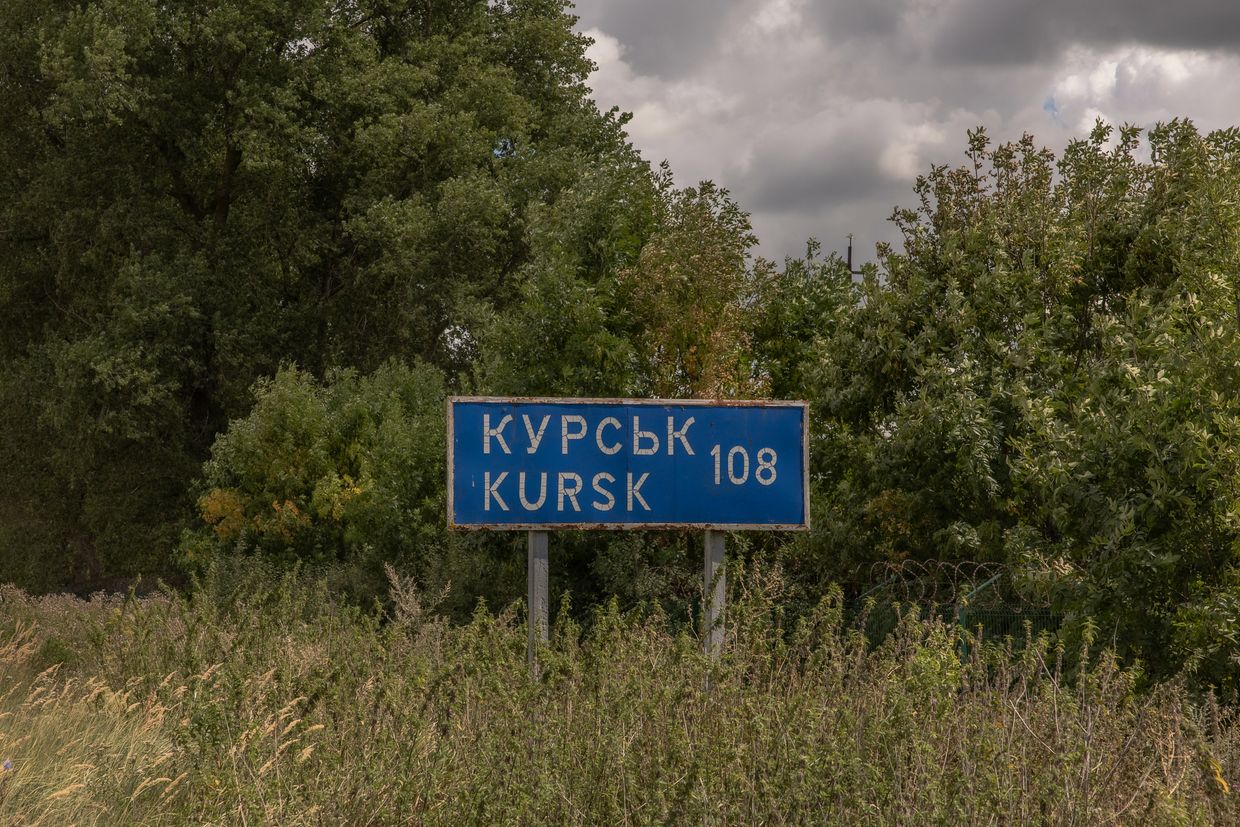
194	193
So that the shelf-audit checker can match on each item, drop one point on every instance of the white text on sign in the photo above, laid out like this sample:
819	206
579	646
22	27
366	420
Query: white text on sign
531	490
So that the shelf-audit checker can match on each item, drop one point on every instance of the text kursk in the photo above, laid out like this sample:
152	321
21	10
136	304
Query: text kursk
603	491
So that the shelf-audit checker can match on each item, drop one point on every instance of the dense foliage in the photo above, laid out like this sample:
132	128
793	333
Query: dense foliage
353	468
1049	376
247	248
193	194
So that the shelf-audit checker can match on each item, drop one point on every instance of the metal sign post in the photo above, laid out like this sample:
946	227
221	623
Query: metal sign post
540	464
536	582
714	594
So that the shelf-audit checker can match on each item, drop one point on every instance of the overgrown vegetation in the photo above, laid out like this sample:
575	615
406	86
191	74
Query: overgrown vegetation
260	699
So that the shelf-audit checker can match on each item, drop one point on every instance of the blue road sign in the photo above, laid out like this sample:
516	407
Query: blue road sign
538	464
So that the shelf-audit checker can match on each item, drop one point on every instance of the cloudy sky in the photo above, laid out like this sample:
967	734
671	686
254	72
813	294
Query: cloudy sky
819	114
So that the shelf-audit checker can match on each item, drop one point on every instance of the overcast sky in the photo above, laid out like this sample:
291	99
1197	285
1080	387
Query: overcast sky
819	114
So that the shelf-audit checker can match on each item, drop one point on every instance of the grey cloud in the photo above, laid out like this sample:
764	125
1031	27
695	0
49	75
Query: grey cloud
661	38
1004	32
670	38
847	19
986	31
786	233
793	189
823	176
782	182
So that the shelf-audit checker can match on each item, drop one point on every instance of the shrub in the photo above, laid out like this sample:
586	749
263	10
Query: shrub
343	470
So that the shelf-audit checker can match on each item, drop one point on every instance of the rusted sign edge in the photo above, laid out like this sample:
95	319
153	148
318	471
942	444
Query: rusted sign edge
626	526
567	400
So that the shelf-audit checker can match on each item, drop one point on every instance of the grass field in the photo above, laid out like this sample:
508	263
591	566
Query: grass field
261	700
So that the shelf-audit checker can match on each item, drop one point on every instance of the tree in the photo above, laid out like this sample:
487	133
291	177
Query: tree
196	193
1127	483
689	294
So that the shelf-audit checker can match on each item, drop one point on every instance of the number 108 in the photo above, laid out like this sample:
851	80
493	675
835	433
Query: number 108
738	465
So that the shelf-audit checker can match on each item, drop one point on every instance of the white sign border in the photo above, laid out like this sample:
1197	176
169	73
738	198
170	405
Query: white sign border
573	400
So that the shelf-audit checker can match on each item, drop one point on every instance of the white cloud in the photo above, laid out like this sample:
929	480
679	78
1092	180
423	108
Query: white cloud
1144	85
903	157
778	15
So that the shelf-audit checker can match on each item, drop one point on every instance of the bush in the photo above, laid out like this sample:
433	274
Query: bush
349	469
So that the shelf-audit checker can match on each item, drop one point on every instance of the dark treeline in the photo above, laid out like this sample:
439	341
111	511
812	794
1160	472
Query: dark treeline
247	248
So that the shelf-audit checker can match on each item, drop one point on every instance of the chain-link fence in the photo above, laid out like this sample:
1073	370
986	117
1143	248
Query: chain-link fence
976	596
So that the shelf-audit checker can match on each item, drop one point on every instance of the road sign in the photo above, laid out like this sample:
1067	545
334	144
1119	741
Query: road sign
538	464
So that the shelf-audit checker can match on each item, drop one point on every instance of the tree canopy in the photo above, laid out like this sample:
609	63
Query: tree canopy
198	193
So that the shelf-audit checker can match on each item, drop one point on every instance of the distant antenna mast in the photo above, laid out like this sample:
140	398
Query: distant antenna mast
850	267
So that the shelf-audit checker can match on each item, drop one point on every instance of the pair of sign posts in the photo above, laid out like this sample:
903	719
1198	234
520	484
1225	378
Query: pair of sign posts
537	465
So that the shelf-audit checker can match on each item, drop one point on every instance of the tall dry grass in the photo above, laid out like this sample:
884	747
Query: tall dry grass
261	700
